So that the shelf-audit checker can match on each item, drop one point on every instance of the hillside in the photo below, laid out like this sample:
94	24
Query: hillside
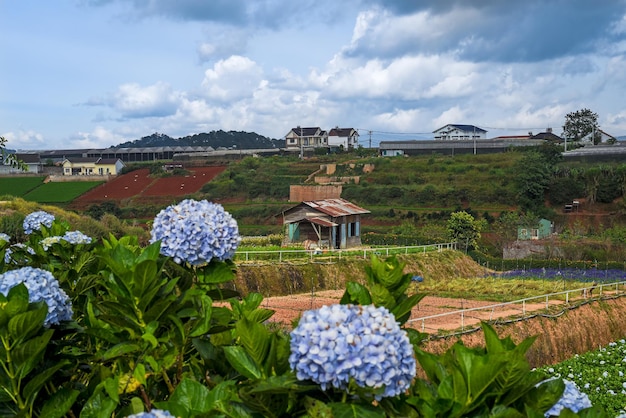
215	139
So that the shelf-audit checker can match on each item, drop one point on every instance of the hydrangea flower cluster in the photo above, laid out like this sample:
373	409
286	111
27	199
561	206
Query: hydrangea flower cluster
33	221
47	242
332	344
155	413
42	286
73	237
76	237
5	237
572	399
196	232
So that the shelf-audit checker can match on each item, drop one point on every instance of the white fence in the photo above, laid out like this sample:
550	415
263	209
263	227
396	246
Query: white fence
553	304
283	256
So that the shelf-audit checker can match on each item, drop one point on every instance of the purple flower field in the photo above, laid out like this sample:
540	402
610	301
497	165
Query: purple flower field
584	275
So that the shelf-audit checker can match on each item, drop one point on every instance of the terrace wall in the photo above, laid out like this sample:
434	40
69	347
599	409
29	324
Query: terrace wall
307	193
528	249
59	179
576	331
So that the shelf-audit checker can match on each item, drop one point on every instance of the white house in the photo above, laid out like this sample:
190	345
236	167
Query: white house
312	137
456	132
32	161
348	138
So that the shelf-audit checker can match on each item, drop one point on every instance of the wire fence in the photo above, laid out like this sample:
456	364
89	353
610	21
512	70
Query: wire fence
468	318
334	255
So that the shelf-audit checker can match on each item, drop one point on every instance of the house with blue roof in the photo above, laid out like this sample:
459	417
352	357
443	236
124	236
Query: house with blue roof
455	132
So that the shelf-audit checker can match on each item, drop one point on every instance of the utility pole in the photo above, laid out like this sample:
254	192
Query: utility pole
370	133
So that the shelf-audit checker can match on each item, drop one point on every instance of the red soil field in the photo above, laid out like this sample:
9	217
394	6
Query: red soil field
138	183
180	186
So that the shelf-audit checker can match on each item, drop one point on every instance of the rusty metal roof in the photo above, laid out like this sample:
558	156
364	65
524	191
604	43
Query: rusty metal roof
321	221
336	207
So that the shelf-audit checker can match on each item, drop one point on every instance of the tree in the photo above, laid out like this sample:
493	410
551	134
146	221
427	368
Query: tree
464	229
580	124
10	159
532	180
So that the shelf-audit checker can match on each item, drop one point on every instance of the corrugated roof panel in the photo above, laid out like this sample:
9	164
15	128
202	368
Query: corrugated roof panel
336	207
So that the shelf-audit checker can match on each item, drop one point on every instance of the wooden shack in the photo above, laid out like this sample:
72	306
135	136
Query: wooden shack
328	223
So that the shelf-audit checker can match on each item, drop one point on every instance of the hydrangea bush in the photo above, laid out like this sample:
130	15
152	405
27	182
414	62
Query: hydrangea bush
196	232
337	343
156	331
34	221
42	286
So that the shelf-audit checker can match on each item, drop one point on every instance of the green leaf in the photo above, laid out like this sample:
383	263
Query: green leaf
59	403
216	272
24	325
381	296
144	280
140	373
151	252
120	350
356	294
242	362
404	308
254	338
354	410
111	386
193	396
203	323
37	382
27	354
17	300
98	406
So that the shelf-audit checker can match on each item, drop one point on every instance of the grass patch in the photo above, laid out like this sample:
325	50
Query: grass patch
19	186
60	192
495	289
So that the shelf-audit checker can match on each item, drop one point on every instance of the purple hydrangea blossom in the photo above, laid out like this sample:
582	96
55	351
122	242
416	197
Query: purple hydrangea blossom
332	344
33	221
76	237
572	399
155	413
196	232
42	286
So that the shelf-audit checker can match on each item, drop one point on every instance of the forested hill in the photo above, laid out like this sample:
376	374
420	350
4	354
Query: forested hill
215	139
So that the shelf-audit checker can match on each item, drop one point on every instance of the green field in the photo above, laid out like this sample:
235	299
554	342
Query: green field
19	186
60	192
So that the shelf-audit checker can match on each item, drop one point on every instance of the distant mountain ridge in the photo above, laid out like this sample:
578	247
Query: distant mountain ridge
215	139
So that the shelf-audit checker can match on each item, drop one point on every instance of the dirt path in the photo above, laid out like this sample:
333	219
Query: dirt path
289	308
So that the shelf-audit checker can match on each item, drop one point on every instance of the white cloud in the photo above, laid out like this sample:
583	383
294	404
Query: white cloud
133	100
24	140
232	79
95	138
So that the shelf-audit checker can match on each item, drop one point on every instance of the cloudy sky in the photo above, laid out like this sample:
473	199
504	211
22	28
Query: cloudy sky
95	73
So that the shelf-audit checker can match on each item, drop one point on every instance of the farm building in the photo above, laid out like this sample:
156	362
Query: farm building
86	166
543	229
329	223
32	161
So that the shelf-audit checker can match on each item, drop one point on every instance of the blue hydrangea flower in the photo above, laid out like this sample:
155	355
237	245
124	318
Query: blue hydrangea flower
572	399
42	286
33	221
5	237
196	232
76	237
332	344
155	413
